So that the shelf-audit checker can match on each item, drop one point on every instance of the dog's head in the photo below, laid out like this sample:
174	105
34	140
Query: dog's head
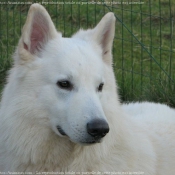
68	76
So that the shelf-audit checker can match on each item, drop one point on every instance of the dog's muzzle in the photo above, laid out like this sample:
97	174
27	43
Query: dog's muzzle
96	129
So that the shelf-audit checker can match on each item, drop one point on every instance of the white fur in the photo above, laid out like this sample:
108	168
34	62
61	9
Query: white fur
141	136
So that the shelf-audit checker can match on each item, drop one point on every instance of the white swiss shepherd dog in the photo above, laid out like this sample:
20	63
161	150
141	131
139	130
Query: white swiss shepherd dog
60	112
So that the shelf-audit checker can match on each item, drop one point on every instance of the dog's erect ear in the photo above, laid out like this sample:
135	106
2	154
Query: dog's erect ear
104	34
37	31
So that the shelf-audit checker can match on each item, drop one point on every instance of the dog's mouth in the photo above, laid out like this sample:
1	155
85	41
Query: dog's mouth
84	143
61	131
91	142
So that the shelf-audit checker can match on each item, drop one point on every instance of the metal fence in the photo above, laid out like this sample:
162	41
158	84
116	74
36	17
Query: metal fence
144	44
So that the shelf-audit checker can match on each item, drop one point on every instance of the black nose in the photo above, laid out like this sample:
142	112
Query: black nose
97	128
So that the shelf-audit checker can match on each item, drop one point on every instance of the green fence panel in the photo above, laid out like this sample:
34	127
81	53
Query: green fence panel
144	44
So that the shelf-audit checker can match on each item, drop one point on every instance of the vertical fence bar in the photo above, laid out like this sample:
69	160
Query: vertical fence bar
113	41
14	36
160	38
56	13
132	60
103	1
1	31
95	7
171	40
64	25
141	57
87	16
71	17
20	18
79	13
7	33
123	78
112	5
150	13
1	50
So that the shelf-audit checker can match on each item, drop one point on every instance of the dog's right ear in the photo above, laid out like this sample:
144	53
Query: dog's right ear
37	31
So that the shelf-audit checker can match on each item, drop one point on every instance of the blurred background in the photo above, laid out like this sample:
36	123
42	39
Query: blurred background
144	44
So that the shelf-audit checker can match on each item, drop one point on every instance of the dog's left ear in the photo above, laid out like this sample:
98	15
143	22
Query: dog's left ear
104	33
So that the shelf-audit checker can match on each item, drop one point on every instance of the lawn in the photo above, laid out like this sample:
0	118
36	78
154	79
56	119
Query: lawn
144	44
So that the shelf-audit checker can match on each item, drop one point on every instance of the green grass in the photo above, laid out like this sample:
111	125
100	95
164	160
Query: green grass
144	45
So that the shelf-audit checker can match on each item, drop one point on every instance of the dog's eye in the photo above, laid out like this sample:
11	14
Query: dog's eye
65	85
100	87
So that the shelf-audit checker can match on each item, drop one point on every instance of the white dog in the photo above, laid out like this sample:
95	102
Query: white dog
61	95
